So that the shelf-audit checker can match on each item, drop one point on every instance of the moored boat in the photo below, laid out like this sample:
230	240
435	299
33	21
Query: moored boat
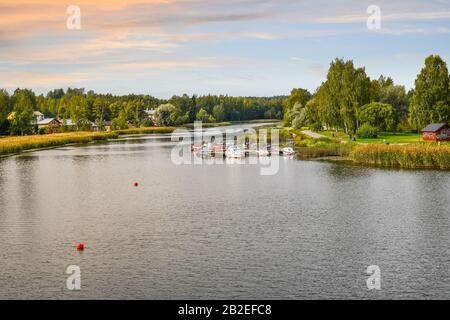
234	152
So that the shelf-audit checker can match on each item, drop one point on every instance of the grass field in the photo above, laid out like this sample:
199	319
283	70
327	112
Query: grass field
391	138
11	145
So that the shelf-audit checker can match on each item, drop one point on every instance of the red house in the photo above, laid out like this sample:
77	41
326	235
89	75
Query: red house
436	132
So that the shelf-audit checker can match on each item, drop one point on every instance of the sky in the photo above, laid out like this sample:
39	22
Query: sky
234	47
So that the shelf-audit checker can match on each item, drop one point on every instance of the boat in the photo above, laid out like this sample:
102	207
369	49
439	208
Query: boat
218	148
288	151
262	152
197	147
234	152
206	151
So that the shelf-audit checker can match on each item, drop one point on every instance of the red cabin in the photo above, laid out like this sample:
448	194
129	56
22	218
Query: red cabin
436	132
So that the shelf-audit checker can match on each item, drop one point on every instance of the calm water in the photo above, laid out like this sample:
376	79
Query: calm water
217	231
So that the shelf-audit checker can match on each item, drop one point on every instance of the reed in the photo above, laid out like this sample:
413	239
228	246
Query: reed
418	156
11	145
321	150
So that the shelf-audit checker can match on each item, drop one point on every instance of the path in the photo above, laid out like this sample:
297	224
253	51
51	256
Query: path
313	135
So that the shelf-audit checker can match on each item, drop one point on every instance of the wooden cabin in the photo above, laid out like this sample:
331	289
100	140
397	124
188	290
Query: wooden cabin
53	125
436	132
108	126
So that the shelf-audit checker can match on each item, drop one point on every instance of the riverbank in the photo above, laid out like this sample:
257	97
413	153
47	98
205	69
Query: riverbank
17	144
424	155
146	130
418	156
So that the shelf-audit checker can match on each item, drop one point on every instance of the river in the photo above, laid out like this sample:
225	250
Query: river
221	231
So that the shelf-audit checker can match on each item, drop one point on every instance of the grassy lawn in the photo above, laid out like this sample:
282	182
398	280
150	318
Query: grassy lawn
392	138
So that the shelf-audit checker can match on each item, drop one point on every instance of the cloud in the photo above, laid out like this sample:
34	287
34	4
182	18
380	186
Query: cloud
138	36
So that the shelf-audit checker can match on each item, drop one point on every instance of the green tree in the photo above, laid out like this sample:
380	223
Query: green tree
396	96
219	112
312	115
377	115
22	118
339	98
430	100
5	109
202	115
298	97
165	114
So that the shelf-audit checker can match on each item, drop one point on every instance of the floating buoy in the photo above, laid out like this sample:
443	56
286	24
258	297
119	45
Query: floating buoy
80	246
136	184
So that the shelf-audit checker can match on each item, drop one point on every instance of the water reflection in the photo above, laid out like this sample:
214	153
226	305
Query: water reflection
217	231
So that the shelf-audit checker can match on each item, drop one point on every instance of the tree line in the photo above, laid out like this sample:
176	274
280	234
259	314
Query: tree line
17	110
349	99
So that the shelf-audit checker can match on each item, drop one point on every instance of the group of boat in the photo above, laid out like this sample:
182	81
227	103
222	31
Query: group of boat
237	152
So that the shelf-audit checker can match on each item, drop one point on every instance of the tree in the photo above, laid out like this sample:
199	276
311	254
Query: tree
202	115
344	92
377	115
5	108
298	97
312	115
396	96
219	112
430	100
22	117
165	114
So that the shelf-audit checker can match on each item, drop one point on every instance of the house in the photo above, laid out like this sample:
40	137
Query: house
37	116
436	132
80	124
108	126
53	125
151	114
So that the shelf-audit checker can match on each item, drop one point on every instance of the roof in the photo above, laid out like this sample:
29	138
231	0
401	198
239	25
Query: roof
37	114
150	112
46	121
434	127
68	122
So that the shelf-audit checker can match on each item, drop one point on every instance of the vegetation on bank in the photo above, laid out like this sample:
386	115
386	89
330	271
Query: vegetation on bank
11	145
418	156
348	100
146	130
309	148
17	109
383	137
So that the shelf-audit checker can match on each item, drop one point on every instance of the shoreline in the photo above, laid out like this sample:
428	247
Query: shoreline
89	137
15	146
51	142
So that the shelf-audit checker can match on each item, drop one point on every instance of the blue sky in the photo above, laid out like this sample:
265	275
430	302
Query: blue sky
235	47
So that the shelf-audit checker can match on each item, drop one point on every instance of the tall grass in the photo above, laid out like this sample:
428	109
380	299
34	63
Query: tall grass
403	156
10	145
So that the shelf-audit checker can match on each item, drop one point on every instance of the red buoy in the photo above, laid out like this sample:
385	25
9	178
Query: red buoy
136	184
80	246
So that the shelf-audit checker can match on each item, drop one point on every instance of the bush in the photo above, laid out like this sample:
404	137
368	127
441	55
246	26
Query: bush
366	131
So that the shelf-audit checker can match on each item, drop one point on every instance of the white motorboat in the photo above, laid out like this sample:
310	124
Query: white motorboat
262	153
197	147
288	151
234	152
